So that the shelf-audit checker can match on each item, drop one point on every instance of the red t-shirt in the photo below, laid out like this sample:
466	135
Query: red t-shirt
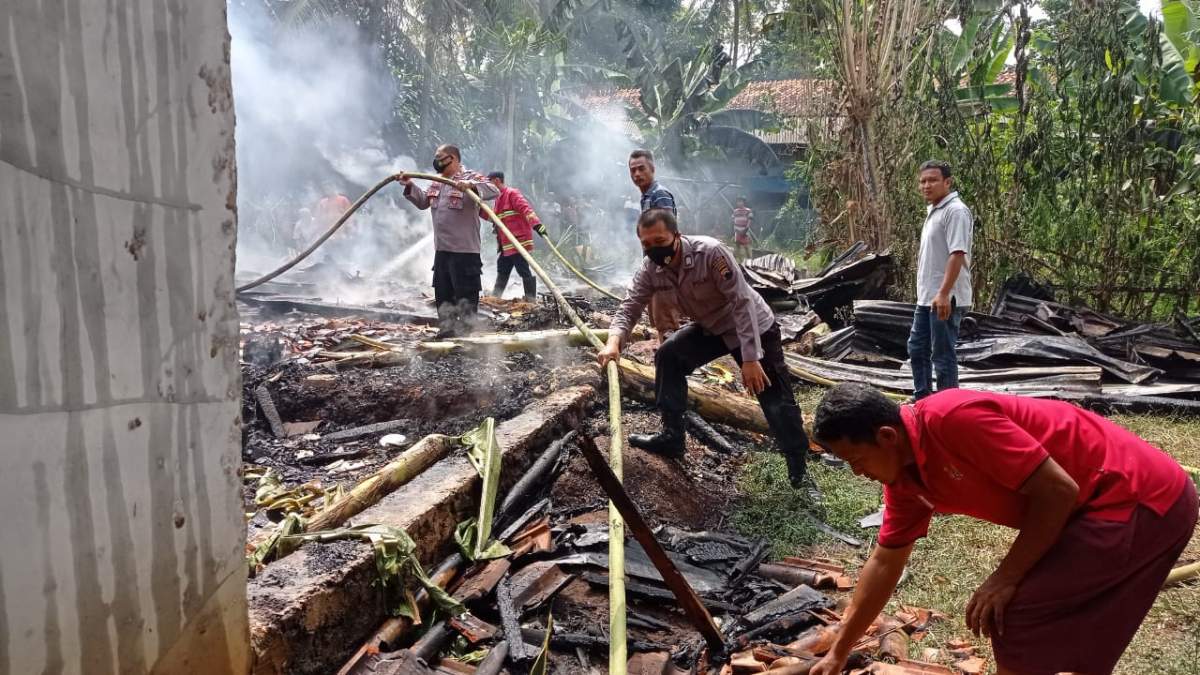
332	207
974	450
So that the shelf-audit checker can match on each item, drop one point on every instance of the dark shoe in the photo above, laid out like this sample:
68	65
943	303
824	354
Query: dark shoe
669	442
812	491
797	467
467	319
446	320
530	289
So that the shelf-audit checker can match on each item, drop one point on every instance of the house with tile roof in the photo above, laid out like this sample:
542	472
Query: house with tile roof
793	105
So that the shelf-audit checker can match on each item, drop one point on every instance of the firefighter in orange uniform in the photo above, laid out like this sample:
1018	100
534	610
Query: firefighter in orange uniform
518	216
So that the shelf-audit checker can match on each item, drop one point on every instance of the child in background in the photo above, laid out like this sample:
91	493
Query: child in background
743	218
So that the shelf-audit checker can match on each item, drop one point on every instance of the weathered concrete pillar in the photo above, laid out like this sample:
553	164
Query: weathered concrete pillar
120	517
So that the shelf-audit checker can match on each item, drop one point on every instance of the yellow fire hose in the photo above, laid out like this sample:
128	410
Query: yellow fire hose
576	272
321	240
617	650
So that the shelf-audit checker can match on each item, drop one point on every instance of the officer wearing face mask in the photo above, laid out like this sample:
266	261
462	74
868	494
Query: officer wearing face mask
728	317
457	267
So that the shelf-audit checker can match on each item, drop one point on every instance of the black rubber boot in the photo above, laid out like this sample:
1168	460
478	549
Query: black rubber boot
467	318
530	285
797	467
668	442
447	321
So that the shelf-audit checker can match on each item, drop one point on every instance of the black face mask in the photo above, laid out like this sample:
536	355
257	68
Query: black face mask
440	164
661	255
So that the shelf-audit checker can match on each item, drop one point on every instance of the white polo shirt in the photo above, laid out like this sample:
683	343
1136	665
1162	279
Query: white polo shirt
948	229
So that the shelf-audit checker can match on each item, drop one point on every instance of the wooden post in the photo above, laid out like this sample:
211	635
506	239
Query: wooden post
688	600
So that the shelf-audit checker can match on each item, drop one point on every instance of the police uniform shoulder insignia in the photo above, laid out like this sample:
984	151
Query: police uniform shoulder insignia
721	267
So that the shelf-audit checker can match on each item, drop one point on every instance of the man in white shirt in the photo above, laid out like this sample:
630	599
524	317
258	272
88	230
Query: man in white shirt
943	281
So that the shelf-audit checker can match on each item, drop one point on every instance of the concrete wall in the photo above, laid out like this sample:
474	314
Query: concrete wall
120	518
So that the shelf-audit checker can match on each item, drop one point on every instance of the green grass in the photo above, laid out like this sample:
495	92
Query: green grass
959	553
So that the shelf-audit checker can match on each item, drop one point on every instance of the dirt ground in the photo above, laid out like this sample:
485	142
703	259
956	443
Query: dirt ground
454	393
450	395
695	492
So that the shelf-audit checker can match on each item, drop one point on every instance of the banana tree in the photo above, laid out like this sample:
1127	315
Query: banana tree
1180	45
976	57
679	95
524	71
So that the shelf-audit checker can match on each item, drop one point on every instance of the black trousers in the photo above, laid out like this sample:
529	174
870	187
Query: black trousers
690	347
456	286
504	268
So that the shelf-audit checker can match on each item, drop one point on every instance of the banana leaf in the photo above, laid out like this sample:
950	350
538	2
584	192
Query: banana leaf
483	451
395	561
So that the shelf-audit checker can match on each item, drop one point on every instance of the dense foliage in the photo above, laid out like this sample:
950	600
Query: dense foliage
1074	131
1081	164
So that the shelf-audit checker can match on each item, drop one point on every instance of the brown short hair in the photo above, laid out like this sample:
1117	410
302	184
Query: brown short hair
451	150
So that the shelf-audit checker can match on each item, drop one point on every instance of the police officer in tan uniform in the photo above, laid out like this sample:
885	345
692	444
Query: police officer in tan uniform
457	267
728	317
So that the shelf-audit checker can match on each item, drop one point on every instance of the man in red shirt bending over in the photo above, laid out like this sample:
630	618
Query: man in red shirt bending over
1102	516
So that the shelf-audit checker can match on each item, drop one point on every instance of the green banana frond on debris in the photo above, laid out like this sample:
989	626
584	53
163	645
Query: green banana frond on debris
541	665
291	524
474	535
396	562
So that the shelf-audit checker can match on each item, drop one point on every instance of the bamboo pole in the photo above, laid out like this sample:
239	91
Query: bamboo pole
616	544
399	471
617	644
576	272
386	354
423	454
1183	573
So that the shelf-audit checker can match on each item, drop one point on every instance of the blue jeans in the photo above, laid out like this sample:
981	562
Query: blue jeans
932	337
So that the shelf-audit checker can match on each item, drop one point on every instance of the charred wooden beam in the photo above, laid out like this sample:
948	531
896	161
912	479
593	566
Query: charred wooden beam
510	618
356	433
534	477
688	600
707	435
571	640
269	411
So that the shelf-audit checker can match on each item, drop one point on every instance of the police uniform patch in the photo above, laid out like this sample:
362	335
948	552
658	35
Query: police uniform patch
721	267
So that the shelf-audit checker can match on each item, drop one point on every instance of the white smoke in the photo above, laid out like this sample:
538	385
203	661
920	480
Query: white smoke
592	168
311	99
